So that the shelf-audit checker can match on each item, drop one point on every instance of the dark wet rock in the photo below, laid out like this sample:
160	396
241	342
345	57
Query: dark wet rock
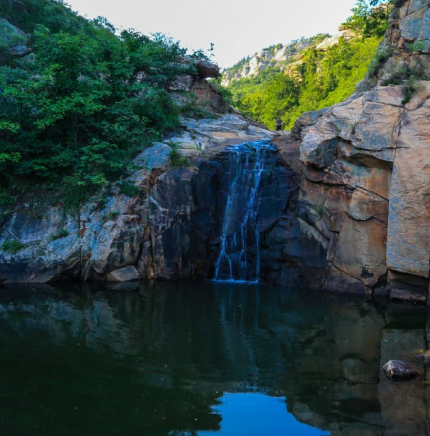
398	370
127	274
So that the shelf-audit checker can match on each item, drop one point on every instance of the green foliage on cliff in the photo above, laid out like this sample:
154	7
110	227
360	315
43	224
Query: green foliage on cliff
74	113
12	246
177	160
318	78
369	18
321	79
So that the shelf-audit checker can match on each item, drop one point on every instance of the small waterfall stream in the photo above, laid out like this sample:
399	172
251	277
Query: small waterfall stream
239	257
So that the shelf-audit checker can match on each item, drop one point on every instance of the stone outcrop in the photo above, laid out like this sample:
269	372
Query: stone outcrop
363	202
170	230
193	89
13	41
363	197
398	370
275	57
407	41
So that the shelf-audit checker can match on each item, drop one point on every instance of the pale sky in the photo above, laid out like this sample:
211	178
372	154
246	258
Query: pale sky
237	28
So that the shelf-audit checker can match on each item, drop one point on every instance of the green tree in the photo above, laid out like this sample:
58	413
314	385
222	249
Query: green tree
369	18
75	114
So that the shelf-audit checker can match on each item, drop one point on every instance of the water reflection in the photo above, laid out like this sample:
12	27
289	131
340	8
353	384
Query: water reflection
256	415
178	359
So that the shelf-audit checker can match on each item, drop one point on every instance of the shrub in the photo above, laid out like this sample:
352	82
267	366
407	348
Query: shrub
418	46
409	89
111	216
128	189
368	20
381	57
177	160
12	246
61	234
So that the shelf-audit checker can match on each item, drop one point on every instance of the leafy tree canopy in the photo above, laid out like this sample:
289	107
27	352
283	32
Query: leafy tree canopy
75	112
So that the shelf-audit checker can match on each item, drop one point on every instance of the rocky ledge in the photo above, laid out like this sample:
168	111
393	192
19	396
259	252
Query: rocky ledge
166	231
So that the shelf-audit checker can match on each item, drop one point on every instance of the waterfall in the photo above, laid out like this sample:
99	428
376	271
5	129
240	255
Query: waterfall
239	257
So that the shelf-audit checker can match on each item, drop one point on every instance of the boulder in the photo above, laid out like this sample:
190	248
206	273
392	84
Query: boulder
209	98
378	127
365	205
13	38
127	274
205	69
399	370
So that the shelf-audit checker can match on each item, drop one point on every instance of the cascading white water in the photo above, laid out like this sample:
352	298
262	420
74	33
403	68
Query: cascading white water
239	257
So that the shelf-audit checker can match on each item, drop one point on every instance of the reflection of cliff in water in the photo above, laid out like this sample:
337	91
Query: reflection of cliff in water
163	355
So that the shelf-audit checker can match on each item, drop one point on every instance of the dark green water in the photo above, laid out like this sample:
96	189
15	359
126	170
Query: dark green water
205	359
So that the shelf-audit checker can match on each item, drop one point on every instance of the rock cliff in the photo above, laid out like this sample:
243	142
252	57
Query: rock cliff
280	57
276	57
364	196
167	231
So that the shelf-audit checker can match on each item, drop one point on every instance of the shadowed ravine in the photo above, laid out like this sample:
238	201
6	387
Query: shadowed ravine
194	359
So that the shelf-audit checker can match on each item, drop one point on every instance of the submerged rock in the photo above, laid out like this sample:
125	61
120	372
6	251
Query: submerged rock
399	370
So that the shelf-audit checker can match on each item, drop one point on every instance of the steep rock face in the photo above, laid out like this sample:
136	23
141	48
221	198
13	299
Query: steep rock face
195	89
170	230
364	196
408	40
187	207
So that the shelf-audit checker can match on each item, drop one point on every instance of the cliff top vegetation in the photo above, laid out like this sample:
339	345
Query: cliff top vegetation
76	109
315	77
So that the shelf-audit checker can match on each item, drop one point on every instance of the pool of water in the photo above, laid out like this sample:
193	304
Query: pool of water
205	359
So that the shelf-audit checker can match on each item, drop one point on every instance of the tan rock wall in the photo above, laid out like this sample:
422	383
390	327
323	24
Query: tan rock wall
408	248
376	149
